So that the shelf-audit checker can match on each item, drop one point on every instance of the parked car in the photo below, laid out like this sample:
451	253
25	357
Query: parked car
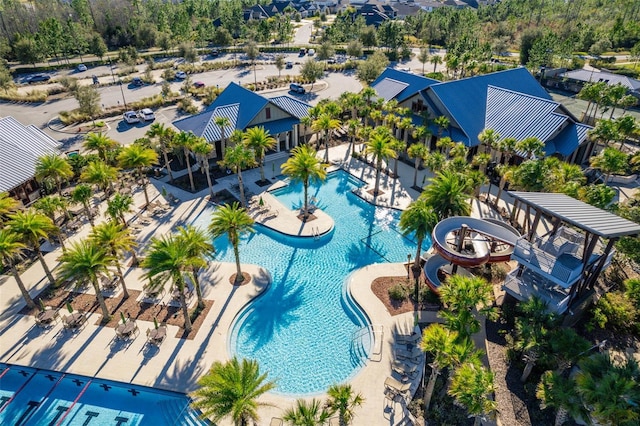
81	67
131	117
146	114
137	81
296	88
311	52
181	75
303	51
36	78
289	65
215	52
198	84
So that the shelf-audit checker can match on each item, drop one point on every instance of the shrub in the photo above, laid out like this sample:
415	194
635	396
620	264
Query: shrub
615	310
186	105
632	290
398	292
498	272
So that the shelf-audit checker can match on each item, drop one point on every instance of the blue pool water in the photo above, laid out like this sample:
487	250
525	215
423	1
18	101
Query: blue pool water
302	329
40	397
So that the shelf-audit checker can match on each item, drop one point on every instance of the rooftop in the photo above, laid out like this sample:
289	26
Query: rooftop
578	213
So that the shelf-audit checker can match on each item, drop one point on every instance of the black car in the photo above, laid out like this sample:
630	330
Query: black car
215	52
38	78
137	82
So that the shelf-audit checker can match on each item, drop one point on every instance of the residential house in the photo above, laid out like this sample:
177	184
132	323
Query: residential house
512	102
576	79
279	115
20	148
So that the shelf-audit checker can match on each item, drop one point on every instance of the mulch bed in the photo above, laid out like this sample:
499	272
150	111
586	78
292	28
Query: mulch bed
246	279
380	287
131	308
309	217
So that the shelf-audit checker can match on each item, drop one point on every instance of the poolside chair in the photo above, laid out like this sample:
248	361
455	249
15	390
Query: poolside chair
406	339
415	355
404	369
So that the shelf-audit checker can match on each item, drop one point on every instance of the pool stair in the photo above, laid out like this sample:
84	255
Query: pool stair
177	414
368	337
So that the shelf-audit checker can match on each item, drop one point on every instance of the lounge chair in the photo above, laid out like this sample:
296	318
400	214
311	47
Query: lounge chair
404	369
415	355
406	339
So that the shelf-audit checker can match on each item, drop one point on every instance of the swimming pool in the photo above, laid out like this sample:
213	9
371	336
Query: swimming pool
40	397
304	330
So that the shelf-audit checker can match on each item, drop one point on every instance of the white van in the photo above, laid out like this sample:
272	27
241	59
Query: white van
311	52
296	88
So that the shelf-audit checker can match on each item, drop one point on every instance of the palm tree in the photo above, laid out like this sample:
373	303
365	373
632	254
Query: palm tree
447	194
312	413
232	390
461	295
488	139
422	133
258	139
118	206
99	142
138	157
53	168
100	174
234	221
435	161
443	124
507	147
326	124
610	390
223	123
564	175
419	153
458	150
567	346
50	205
86	261
8	205
168	259
11	250
82	194
344	400
439	342
406	125
379	145
506	175
444	144
531	146
164	136
559	392
353	127
116	240
610	161
32	227
237	158
199	246
202	149
185	141
472	387
419	219
435	60
305	166
306	122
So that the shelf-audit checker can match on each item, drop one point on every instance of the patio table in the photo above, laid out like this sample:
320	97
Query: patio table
47	316
126	329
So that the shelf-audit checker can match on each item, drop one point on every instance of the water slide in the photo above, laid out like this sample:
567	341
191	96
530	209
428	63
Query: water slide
485	241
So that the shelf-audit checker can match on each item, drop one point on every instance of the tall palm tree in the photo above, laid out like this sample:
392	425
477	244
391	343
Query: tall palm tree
472	386
32	227
8	205
223	123
447	194
164	136
419	219
118	206
458	150
234	221
344	400
559	392
461	295
422	133
185	140
168	259
306	123
138	157
531	146
506	175
232	390
609	161
443	124
419	153
99	142
435	60
50	205
439	342
312	413
82	194
563	175
202	149
488	139
237	158
445	144
507	147
87	261
326	124
305	166
117	241
353	128
379	146
199	246
53	168
435	161
259	139
100	174
11	250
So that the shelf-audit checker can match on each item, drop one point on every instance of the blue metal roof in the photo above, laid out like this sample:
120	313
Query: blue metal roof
415	83
520	116
570	138
279	126
212	131
293	106
389	88
466	100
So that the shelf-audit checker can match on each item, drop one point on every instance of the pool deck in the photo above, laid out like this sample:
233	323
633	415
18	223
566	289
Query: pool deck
176	365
